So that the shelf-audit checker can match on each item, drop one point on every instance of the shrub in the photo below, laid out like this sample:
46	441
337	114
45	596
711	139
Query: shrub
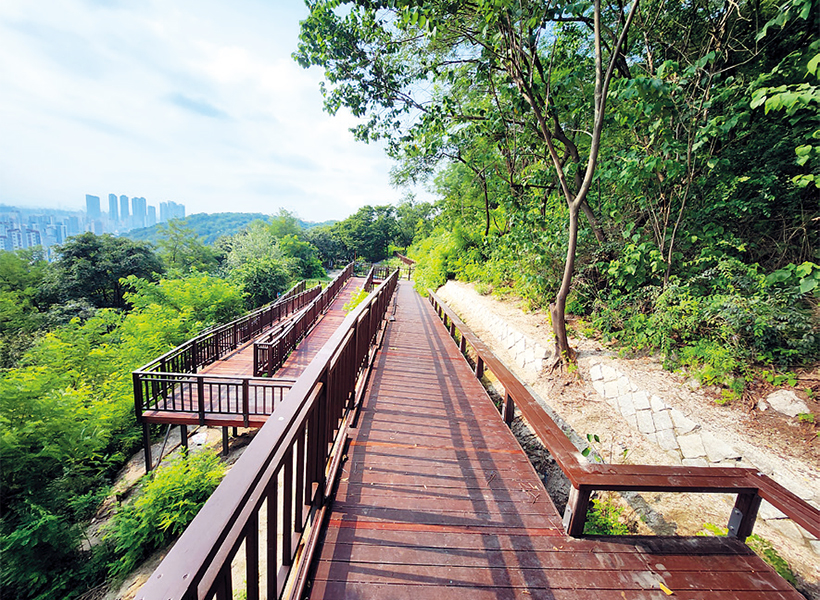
169	501
604	519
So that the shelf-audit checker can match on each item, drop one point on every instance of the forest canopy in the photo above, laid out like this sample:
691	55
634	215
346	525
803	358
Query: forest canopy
650	166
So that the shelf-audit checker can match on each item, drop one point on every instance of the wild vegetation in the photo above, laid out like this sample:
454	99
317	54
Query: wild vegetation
71	333
652	167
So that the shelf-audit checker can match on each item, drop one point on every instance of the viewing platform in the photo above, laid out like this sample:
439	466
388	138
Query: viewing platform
214	379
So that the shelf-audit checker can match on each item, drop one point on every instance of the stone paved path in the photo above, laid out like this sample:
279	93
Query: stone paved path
681	436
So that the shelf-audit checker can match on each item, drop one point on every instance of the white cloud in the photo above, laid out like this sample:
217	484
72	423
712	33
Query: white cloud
196	102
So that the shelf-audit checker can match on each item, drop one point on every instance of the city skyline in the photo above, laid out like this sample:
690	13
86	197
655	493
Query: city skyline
27	227
198	102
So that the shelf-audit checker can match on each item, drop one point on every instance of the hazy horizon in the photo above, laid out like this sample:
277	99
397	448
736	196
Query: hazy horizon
195	103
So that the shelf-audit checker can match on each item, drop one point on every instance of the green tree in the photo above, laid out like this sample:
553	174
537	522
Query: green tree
368	233
67	423
182	250
21	274
375	65
328	246
90	267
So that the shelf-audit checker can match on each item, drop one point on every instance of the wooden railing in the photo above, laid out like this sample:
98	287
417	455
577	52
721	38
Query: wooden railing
216	342
406	260
277	490
749	485
270	353
379	272
170	383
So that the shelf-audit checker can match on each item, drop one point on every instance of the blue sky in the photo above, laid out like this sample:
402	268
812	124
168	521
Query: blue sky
198	102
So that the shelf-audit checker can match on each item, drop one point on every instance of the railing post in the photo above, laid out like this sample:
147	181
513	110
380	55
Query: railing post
200	397
246	401
509	409
146	445
252	557
575	514
138	400
744	514
479	368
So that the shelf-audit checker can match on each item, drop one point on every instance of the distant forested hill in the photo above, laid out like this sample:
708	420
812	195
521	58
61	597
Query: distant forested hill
209	227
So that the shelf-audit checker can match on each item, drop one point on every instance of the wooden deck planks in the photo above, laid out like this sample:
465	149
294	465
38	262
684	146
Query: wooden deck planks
437	500
222	403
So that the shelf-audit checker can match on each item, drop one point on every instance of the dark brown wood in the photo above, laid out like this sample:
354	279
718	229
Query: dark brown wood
194	567
744	513
746	483
252	557
576	511
272	536
437	500
146	445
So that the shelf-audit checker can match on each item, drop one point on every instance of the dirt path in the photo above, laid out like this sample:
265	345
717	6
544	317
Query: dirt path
658	417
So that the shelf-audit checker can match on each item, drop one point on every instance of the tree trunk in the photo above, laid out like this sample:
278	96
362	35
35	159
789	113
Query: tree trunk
563	352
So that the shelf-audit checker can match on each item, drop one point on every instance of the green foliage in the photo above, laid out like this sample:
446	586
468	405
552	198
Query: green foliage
367	233
592	438
806	418
168	502
604	519
90	267
21	274
717	324
302	256
800	279
67	423
182	250
356	299
210	227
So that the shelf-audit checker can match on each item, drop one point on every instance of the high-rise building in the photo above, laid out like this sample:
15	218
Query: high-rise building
33	238
113	208
17	239
73	225
171	210
139	212
92	207
152	216
124	209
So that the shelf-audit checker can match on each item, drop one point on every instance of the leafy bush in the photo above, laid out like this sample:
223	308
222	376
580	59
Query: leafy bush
355	299
169	501
604	519
718	324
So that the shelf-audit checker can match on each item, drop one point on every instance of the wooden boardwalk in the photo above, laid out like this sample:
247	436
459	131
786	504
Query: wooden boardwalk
222	394
437	500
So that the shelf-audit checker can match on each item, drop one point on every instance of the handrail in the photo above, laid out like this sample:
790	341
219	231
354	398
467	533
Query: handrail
151	393
750	485
269	355
405	259
380	272
213	343
289	468
367	286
